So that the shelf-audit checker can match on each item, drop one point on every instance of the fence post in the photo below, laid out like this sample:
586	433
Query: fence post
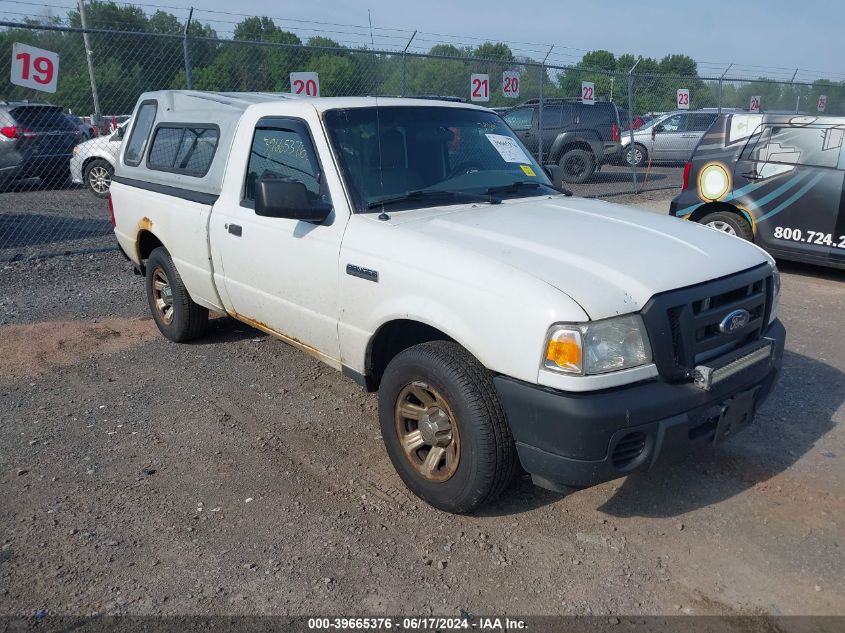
404	67
719	111
84	21
189	80
540	110
631	124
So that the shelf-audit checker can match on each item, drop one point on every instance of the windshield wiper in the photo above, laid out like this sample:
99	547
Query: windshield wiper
516	185
410	196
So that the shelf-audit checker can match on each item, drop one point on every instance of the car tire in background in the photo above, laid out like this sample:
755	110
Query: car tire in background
577	166
97	175
173	310
730	223
444	428
640	155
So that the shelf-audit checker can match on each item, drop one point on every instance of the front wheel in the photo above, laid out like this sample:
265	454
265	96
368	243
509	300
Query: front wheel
730	223
173	310
637	156
576	166
444	428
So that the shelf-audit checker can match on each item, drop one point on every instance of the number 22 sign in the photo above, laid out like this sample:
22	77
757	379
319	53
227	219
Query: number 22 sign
588	92
34	67
307	84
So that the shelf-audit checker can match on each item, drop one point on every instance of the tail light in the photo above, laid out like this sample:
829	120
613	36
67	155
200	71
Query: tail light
17	132
614	133
687	168
111	210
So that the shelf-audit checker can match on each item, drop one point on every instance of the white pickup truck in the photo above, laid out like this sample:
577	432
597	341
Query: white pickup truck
416	246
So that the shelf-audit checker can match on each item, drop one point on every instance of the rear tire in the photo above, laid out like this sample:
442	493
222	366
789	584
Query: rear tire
437	401
730	223
577	166
173	310
97	175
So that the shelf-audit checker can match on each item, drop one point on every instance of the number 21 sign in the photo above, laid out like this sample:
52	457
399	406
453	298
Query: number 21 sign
479	87
34	68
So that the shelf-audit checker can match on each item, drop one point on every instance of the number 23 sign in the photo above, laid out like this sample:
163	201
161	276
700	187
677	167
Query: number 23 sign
34	68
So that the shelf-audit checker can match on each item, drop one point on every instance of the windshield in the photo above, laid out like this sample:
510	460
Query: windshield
388	153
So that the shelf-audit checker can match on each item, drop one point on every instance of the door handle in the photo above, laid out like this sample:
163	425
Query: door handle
753	175
235	229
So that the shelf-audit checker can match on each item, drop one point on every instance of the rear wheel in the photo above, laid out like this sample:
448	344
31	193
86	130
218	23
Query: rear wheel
444	428
576	166
730	223
173	310
637	156
98	174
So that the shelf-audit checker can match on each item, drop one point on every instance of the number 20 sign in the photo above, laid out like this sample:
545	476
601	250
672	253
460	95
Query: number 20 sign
307	84
34	68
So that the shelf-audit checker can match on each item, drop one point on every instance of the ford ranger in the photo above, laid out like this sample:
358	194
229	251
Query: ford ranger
416	246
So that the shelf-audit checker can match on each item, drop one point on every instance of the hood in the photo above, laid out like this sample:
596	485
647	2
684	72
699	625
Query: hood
609	258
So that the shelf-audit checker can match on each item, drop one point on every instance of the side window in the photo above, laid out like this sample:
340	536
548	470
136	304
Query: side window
552	117
286	153
140	133
183	149
700	122
519	119
813	146
758	145
676	123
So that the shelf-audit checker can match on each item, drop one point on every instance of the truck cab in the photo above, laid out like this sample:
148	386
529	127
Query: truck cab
416	246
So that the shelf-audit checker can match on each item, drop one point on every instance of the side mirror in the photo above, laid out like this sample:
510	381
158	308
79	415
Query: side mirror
553	172
277	197
119	132
655	129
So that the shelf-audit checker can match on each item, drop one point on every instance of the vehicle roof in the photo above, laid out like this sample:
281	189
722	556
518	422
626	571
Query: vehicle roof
793	118
240	101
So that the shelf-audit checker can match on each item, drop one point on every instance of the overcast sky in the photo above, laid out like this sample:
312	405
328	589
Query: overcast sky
809	34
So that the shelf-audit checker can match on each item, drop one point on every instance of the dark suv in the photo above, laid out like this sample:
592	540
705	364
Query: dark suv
36	140
577	136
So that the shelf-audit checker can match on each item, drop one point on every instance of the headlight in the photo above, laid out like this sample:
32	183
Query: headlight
598	347
776	293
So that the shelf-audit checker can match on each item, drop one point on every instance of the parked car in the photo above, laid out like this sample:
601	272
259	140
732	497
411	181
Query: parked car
577	137
670	138
84	131
417	247
36	140
93	162
776	180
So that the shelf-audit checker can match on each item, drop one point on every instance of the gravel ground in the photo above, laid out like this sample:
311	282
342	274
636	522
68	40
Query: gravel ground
237	475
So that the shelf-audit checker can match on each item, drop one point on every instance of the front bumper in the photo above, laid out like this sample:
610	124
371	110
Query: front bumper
582	439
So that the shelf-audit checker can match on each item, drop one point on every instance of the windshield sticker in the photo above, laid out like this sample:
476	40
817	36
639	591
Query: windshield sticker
528	171
508	148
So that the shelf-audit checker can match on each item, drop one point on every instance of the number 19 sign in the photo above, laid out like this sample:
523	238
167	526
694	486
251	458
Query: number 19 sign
34	68
307	84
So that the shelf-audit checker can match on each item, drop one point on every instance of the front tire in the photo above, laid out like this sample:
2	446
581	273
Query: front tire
444	428
173	310
730	223
637	157
97	175
577	166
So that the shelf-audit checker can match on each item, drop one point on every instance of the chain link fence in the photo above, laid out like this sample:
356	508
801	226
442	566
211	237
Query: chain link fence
608	131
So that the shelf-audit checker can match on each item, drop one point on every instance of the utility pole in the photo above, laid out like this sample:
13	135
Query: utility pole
189	80
97	113
720	86
540	114
404	67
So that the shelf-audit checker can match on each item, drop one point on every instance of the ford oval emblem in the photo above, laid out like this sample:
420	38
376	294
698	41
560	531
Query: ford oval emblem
735	321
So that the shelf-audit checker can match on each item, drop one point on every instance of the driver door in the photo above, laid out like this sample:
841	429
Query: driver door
669	142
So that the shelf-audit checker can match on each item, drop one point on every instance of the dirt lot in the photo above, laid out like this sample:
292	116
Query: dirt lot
239	476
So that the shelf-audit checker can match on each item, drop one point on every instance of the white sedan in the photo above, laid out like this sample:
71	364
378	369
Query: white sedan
93	161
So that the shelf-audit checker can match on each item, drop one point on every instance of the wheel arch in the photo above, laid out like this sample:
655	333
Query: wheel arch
146	243
713	207
577	143
391	338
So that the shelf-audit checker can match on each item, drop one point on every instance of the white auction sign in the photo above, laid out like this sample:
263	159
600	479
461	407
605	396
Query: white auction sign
305	84
510	83
588	92
479	87
754	106
34	67
682	99
822	103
